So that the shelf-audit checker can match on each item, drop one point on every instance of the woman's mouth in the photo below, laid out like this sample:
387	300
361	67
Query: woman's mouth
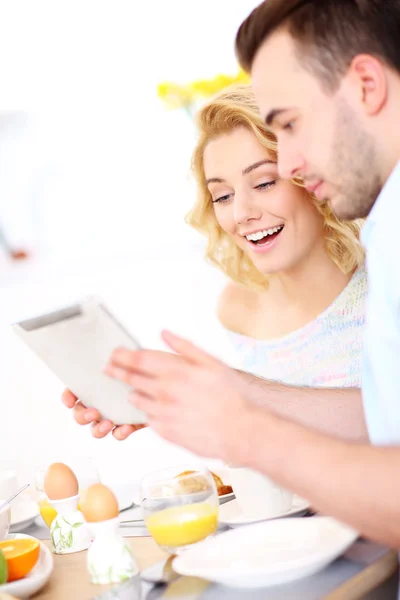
263	240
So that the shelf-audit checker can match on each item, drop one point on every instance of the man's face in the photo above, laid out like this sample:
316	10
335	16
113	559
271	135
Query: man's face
321	135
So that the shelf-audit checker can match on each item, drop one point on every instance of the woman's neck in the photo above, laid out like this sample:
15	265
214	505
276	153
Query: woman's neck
292	300
310	287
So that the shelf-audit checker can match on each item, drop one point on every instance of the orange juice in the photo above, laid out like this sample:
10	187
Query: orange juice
182	525
47	512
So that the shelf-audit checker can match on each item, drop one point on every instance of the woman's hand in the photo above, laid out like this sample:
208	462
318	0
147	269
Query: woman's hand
100	427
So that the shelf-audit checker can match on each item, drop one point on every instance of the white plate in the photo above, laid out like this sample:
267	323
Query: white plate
132	517
23	514
231	514
36	579
124	493
268	553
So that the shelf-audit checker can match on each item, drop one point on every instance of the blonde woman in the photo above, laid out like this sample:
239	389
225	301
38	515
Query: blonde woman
295	305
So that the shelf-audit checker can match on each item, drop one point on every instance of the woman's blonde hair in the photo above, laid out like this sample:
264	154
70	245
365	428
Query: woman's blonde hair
236	106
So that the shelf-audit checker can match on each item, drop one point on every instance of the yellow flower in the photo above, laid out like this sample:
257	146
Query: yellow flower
174	95
209	87
183	96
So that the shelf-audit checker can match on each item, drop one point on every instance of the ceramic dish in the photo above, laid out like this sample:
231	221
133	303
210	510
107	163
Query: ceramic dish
36	579
267	554
231	514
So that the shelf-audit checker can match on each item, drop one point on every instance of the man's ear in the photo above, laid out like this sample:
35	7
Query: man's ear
367	76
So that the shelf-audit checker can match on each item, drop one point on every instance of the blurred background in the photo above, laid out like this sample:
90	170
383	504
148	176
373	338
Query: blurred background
94	186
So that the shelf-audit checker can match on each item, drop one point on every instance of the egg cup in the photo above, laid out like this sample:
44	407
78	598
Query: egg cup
68	532
110	558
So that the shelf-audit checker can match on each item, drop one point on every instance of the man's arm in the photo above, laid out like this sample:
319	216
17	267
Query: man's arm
201	405
355	483
338	412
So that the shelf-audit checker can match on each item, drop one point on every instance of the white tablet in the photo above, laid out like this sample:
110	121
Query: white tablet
76	343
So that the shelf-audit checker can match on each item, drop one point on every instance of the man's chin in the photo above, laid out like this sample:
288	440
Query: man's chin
342	207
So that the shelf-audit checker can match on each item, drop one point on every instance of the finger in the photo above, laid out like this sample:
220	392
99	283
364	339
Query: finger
68	398
189	350
162	428
123	431
147	386
118	373
151	388
151	408
100	430
150	362
83	415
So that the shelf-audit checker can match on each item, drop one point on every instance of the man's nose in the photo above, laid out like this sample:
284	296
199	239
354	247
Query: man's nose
290	162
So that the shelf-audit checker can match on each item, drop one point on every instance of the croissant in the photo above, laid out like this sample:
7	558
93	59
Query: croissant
197	484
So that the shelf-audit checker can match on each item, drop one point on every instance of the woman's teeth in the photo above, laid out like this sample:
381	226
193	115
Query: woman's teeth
259	235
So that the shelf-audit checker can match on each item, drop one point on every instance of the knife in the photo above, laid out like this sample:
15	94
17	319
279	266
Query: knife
160	573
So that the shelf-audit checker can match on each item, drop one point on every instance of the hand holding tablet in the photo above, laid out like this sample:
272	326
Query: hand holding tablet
76	343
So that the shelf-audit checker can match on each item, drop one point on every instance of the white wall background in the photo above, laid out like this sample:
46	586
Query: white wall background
94	180
110	163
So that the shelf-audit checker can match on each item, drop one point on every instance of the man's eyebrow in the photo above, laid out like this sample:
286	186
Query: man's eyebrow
271	116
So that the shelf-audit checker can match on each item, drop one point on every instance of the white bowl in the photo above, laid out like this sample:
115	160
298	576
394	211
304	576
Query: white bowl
258	496
36	579
24	511
269	553
5	520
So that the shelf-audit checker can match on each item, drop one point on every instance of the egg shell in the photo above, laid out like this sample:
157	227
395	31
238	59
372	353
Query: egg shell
99	504
60	482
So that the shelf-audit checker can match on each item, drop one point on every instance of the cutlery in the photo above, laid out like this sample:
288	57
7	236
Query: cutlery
11	498
161	573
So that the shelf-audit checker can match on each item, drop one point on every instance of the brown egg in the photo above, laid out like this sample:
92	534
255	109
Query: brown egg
60	482
99	504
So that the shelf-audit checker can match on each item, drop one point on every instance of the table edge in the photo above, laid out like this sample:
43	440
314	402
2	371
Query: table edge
366	581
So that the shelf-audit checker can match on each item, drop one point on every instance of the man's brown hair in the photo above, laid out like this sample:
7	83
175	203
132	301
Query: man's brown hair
328	34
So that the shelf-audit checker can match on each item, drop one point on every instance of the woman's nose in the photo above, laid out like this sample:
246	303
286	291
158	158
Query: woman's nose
245	208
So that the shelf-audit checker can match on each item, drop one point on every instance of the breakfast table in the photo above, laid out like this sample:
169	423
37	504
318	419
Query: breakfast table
365	567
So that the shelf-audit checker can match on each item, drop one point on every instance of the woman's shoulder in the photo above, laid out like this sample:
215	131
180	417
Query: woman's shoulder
235	304
357	289
348	310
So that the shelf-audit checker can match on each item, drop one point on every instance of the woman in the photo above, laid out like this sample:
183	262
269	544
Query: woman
295	306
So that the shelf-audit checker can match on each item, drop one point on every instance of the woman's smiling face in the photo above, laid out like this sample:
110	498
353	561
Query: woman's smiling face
272	220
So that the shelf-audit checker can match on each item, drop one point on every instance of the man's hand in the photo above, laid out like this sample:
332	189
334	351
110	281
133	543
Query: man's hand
192	399
100	427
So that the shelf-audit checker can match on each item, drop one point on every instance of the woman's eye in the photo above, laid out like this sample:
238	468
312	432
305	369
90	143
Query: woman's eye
265	185
223	198
288	126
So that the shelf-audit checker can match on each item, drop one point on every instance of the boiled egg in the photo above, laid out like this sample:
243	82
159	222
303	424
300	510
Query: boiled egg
60	482
99	504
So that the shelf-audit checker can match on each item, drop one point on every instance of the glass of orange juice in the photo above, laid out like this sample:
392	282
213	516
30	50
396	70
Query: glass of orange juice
180	506
86	473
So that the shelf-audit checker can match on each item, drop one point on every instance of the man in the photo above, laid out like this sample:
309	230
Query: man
327	79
